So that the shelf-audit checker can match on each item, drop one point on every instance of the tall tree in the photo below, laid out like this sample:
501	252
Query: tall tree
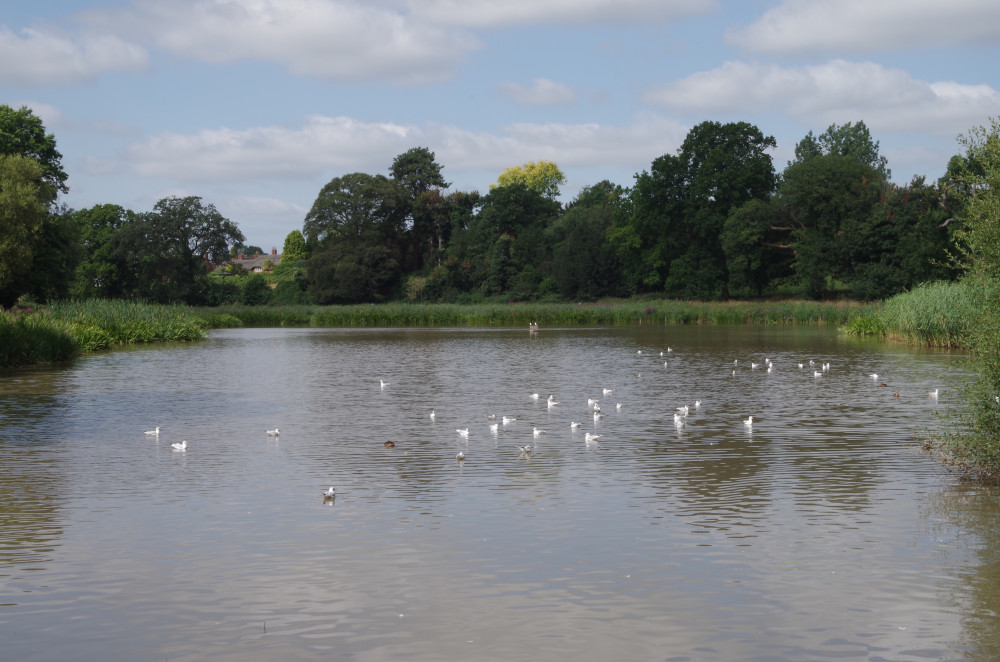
417	171
22	132
853	140
671	235
167	249
101	272
543	177
24	200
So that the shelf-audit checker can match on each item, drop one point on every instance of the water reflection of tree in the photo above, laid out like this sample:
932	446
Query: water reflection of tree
29	507
973	509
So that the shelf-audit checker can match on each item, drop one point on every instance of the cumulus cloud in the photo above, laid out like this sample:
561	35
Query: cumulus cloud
867	26
323	39
490	13
836	91
336	145
36	57
541	92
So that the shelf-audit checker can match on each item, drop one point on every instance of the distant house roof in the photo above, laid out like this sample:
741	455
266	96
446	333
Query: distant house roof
255	263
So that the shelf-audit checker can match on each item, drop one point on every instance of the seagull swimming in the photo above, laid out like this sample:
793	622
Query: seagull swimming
507	420
462	432
525	450
934	393
608	391
874	375
591	402
598	416
748	421
460	456
330	493
180	447
618	407
817	373
274	433
574	425
534	396
683	410
432	414
155	432
590	438
678	419
491	417
382	384
494	427
536	432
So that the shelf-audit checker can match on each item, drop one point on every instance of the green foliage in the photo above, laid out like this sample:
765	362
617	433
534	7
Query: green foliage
255	291
542	177
671	237
22	133
101	271
164	252
23	214
416	171
850	140
294	248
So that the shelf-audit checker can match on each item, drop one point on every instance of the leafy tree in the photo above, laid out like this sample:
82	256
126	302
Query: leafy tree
255	291
24	199
756	256
57	252
358	208
853	140
294	248
543	177
101	272
436	219
670	237
416	171
22	132
584	264
351	273
166	250
247	250
824	202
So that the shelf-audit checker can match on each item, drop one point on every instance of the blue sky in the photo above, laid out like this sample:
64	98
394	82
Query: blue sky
254	105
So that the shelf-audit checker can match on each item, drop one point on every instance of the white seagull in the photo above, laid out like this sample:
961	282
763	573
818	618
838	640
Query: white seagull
683	410
817	373
330	493
525	450
536	432
590	438
180	447
507	420
574	425
382	384
155	432
494	427
274	433
748	421
697	403
432	414
460	456
618	407
535	396
608	391
462	432
934	393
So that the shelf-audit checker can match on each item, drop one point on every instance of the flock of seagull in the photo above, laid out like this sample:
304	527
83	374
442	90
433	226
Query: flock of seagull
527	450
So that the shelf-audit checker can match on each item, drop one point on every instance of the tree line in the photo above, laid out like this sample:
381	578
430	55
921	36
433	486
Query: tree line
715	220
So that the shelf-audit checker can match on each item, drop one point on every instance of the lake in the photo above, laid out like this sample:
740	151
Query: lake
823	531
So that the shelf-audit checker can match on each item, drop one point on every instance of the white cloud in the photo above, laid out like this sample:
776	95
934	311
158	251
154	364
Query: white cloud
867	26
836	91
541	92
494	13
331	146
323	39
35	57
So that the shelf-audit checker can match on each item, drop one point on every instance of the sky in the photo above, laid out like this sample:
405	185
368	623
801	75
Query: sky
254	105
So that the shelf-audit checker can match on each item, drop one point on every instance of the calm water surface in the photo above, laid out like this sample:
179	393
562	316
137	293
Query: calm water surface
822	532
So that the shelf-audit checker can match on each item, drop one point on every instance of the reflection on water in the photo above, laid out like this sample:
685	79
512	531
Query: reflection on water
821	532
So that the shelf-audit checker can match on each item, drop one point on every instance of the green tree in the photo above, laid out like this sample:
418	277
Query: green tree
294	248
584	264
57	252
671	235
543	177
417	172
851	139
24	200
756	254
165	251
101	272
824	201
358	208
22	132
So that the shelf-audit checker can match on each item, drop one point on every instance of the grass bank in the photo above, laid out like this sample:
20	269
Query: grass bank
65	330
605	313
939	314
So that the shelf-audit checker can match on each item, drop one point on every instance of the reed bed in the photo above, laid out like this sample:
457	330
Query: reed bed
606	313
936	314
